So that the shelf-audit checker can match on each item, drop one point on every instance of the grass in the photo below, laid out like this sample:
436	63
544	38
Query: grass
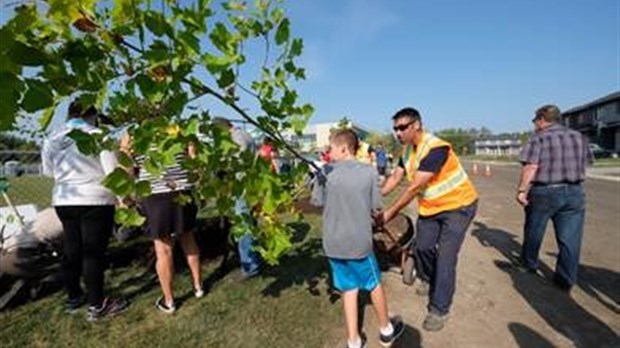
30	190
607	162
286	306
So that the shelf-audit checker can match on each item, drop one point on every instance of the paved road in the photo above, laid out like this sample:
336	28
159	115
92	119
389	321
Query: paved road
497	306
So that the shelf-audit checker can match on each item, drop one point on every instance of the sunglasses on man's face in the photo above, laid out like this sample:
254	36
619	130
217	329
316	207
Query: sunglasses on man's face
402	127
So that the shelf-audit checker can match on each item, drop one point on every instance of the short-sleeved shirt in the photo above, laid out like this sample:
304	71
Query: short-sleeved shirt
433	162
560	153
381	158
348	196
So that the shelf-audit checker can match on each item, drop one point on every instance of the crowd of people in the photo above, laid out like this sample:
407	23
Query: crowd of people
349	189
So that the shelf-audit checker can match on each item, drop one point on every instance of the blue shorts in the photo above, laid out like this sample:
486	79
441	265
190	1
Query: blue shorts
361	274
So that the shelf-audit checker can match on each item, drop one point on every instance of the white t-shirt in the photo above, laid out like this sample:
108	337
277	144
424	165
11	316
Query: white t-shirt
77	177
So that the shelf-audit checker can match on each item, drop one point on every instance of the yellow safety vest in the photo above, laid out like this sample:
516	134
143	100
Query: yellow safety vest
449	189
362	154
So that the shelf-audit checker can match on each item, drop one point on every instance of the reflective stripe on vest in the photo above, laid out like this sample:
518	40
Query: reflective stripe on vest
449	184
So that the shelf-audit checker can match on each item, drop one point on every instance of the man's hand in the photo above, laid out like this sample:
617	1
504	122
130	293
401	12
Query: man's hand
522	198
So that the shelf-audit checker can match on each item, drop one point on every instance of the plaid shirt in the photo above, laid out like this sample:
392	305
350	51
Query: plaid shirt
560	153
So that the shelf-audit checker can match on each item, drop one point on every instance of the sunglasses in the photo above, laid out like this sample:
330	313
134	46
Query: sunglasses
536	119
402	127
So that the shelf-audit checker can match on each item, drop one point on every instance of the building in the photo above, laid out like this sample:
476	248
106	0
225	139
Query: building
498	146
316	136
599	120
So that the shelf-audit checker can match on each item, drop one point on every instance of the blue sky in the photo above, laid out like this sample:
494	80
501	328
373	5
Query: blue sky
461	63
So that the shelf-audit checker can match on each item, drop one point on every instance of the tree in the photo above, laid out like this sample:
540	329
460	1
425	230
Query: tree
145	64
462	140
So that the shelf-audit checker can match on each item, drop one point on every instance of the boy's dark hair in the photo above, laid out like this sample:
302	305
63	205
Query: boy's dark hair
409	112
346	137
76	110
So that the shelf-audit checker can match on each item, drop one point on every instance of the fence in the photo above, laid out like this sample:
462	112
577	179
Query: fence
27	185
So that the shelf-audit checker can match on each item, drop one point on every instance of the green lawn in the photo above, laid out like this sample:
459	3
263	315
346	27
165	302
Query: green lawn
30	190
288	306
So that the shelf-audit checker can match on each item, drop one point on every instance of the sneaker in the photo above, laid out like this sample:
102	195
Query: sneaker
73	304
198	292
162	306
364	342
108	308
423	288
434	321
399	328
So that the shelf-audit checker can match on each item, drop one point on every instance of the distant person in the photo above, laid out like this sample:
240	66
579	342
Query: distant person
268	152
349	194
554	162
447	204
168	220
249	258
365	153
86	209
382	160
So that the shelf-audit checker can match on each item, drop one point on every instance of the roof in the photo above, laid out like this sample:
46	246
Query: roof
604	100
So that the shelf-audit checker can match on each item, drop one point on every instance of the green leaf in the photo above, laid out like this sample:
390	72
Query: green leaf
86	143
129	217
226	79
189	41
216	64
124	160
119	182
46	118
143	188
157	24
27	55
222	39
297	48
283	32
124	11
38	96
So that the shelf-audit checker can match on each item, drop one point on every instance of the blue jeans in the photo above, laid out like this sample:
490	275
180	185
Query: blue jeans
250	260
438	241
565	206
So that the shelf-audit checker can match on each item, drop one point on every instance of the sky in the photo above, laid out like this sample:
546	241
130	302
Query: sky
460	63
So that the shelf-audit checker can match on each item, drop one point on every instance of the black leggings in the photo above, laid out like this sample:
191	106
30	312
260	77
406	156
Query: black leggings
87	230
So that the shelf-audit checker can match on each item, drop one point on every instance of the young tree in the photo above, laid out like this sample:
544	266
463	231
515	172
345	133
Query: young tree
161	68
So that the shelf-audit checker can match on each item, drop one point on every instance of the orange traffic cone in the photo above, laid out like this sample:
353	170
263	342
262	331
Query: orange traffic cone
487	171
474	169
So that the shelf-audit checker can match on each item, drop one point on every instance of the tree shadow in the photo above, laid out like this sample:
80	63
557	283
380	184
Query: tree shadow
556	307
527	338
305	265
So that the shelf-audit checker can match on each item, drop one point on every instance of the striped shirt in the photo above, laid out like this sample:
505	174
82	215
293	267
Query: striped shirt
173	178
560	153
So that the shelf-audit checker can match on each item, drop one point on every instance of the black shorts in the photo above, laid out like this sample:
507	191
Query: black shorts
381	170
166	217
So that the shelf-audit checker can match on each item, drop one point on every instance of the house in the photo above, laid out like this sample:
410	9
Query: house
498	146
599	120
316	136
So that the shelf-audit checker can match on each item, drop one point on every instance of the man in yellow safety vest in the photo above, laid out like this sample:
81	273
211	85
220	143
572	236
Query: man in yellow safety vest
447	203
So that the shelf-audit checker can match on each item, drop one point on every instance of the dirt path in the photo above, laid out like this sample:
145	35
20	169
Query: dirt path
497	306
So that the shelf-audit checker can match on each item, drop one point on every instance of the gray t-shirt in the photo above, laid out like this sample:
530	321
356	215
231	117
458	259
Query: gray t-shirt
348	196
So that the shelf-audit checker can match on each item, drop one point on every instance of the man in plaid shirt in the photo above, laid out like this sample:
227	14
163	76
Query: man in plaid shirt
554	161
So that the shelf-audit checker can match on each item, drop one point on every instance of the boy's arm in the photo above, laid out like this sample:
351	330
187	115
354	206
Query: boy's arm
375	192
318	189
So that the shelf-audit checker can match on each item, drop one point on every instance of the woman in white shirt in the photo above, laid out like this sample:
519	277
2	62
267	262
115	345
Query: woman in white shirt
85	208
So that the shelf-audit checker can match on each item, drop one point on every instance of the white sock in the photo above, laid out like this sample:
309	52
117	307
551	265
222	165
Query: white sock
388	330
355	344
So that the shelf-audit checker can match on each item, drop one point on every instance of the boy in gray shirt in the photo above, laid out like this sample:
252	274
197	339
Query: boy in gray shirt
348	191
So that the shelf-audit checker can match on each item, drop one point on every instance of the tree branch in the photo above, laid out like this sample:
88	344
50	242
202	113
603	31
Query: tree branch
275	135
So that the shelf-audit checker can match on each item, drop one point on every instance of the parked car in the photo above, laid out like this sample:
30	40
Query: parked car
599	152
13	168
